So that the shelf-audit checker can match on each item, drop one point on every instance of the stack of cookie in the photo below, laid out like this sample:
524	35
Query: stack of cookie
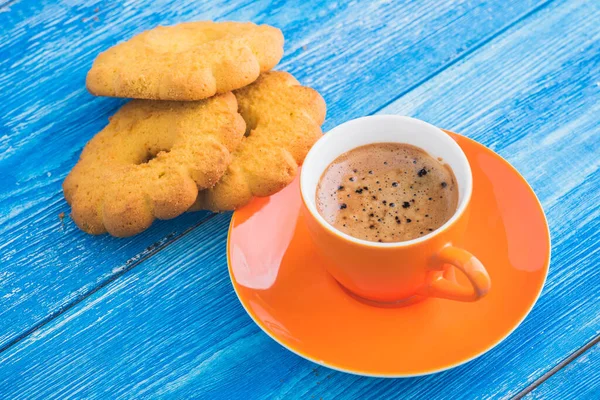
210	128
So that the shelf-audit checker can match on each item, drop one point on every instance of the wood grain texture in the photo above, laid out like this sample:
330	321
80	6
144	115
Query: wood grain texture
172	326
578	380
349	51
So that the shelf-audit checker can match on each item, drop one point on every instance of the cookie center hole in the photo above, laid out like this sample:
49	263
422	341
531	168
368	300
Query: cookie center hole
251	121
151	154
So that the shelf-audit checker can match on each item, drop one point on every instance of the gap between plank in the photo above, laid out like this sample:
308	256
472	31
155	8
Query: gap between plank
557	367
104	283
5	5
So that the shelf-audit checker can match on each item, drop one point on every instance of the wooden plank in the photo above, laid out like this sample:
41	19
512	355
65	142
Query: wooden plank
359	55
173	327
558	368
578	380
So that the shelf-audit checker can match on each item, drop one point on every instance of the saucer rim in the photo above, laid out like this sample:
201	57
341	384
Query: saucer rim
424	373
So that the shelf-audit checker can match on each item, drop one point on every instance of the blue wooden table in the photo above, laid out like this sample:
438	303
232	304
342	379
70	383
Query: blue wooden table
155	315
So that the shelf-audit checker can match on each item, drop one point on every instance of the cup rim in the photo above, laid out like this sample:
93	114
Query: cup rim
330	136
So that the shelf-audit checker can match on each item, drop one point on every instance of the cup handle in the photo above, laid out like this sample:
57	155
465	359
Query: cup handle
474	270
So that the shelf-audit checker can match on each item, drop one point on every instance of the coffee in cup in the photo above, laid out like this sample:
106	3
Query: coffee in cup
387	192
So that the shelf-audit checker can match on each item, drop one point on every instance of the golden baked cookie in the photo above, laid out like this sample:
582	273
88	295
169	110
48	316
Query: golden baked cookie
150	161
283	121
188	61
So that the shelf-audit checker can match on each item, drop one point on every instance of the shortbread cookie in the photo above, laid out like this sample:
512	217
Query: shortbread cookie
188	61
150	161
283	121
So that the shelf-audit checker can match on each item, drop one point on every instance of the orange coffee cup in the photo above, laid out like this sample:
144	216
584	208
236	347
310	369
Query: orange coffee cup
396	273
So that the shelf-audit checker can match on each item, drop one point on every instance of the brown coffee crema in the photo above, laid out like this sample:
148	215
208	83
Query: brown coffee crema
387	192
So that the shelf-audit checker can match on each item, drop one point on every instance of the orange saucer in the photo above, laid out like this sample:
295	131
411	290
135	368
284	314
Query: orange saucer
281	282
